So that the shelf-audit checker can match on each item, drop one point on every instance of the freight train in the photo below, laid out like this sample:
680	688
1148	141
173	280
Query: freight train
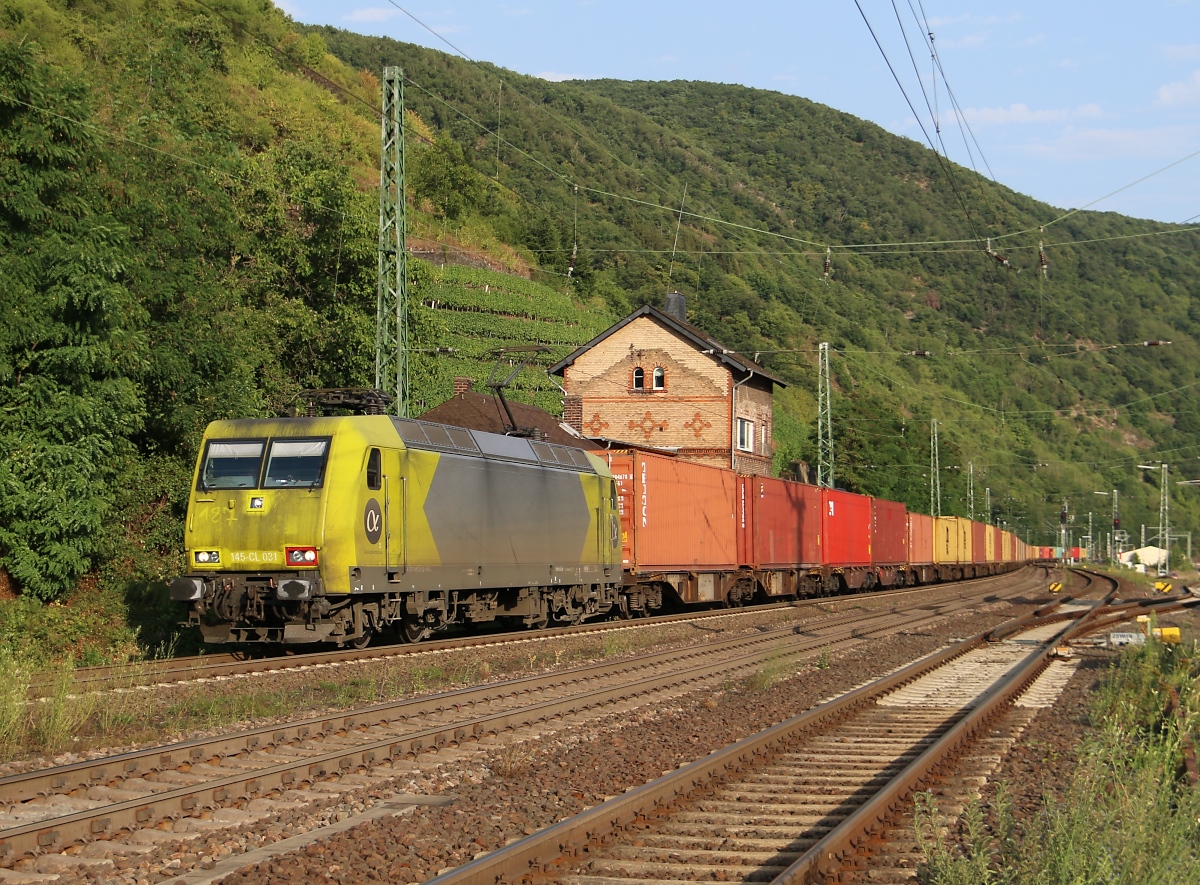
340	528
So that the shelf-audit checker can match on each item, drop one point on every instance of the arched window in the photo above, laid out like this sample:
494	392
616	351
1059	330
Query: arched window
639	378
660	379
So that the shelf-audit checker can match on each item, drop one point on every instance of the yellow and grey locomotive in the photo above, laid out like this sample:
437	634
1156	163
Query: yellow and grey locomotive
333	529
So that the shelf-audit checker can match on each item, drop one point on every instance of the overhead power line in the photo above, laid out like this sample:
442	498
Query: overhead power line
976	238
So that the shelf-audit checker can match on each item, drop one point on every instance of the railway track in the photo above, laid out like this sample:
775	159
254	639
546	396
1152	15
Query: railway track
798	802
210	666
235	778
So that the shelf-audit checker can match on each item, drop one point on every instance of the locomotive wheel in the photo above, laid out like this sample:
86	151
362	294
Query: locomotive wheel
410	629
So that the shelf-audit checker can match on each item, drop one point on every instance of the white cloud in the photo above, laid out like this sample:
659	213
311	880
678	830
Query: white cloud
1014	113
371	14
1159	142
1021	113
970	41
1184	52
1183	92
555	77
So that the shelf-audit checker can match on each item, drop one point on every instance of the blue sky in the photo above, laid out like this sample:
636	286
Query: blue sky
1068	101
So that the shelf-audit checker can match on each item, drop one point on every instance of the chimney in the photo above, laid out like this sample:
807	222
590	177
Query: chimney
573	412
676	306
461	385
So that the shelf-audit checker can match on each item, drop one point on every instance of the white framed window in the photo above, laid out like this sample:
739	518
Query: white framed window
745	435
660	379
639	378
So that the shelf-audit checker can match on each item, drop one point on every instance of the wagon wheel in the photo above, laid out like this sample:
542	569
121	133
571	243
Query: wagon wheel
361	642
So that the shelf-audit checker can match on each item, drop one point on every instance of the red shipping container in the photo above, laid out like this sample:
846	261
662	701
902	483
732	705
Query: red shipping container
978	542
889	532
920	539
845	528
784	529
675	515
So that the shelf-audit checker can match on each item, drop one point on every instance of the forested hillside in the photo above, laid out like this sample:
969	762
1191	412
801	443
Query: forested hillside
187	232
1032	376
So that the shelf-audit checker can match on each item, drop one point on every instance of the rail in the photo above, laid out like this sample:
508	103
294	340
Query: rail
380	733
548	852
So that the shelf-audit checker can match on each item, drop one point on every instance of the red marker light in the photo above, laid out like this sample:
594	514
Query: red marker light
301	557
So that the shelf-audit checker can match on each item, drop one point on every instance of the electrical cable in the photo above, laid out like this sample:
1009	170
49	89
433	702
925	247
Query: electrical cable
941	162
712	219
1126	187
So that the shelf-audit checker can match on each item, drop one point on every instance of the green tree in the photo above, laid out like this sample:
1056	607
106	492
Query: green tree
441	175
70	333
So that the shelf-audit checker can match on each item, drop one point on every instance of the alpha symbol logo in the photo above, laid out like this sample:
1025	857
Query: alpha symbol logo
373	521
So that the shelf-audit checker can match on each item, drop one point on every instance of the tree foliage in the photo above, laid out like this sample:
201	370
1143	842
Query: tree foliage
188	215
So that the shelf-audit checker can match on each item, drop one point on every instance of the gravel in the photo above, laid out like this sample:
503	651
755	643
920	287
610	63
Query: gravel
507	787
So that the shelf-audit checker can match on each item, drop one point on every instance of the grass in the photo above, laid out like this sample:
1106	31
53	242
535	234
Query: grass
775	669
135	714
1127	816
513	761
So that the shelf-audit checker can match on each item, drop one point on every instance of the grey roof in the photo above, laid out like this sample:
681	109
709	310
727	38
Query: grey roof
477	411
701	339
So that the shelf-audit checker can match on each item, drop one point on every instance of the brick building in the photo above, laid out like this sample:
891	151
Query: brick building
655	380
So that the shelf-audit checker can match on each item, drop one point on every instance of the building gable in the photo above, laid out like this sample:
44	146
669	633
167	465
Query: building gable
654	381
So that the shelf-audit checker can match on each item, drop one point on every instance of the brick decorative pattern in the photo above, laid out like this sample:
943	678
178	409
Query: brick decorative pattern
648	425
694	411
698	424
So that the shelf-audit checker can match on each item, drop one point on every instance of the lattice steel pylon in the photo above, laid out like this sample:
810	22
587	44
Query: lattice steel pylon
824	421
935	472
1164	524
971	489
391	331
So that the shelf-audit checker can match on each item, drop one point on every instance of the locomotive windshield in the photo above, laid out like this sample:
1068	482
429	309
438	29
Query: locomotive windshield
296	463
232	465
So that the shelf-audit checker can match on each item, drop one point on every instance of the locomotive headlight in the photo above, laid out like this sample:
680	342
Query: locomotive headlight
208	557
301	557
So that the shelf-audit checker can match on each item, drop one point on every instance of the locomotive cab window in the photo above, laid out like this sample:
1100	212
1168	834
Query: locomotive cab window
374	470
296	462
232	464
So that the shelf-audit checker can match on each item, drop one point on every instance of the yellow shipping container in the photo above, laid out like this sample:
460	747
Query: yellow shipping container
989	544
945	540
1006	546
966	553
